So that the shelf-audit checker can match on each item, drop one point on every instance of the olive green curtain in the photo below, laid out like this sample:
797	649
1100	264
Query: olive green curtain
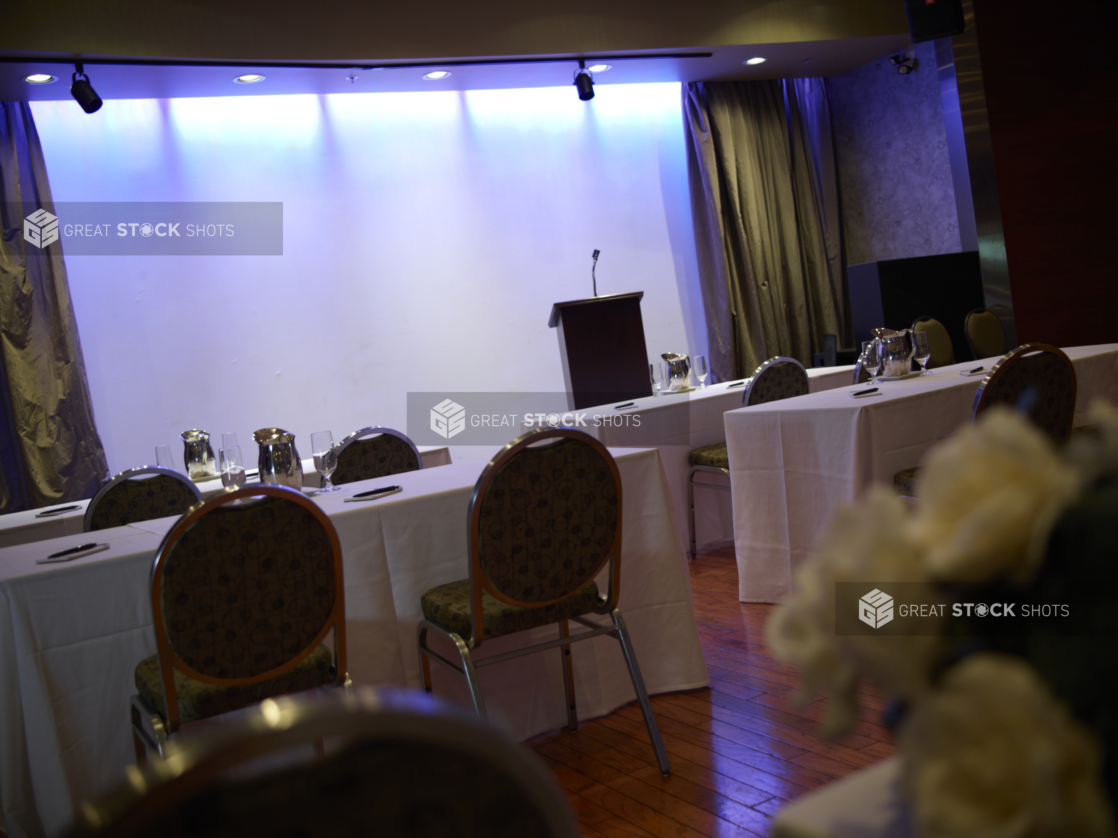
49	448
764	201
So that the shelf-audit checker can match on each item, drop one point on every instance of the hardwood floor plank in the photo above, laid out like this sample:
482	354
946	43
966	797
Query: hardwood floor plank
739	750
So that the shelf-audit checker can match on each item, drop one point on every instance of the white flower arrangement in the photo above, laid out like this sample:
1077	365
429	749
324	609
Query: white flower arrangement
988	750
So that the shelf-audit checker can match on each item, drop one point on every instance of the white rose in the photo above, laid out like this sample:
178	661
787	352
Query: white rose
991	753
864	542
988	499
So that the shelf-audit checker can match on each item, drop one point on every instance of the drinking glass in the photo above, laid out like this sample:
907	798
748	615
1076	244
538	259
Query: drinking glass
325	458
657	376
229	440
232	467
923	351
701	370
163	457
873	360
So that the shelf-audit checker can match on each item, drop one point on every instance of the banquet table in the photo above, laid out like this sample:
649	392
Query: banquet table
24	527
793	462
71	634
677	423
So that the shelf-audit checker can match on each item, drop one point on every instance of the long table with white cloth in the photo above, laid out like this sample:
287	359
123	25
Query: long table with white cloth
66	519
793	462
72	634
680	422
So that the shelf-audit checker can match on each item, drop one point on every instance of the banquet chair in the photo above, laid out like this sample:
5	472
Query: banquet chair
400	763
244	589
374	452
777	378
943	352
140	494
985	334
1035	379
544	519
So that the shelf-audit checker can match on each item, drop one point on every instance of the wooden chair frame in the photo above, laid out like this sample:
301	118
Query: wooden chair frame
691	484
129	475
467	666
157	731
981	396
377	430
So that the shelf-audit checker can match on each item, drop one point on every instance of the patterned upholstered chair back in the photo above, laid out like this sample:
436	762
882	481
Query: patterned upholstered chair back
140	494
374	452
778	378
544	519
1037	379
402	763
939	341
985	334
244	592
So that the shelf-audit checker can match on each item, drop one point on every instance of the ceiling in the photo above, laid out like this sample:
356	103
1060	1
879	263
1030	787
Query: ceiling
115	81
485	45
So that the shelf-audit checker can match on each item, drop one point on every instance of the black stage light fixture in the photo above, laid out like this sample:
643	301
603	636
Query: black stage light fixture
83	91
584	81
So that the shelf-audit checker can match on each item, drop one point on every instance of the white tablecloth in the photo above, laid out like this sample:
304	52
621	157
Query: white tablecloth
682	422
72	634
793	462
24	527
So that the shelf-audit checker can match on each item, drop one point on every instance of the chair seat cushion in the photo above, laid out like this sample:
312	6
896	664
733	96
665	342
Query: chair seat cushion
711	455
199	700
448	606
905	482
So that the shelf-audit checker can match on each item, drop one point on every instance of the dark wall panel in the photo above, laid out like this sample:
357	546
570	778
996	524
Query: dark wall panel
1050	80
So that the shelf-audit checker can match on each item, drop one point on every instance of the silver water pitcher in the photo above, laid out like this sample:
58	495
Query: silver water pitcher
679	371
897	349
279	460
198	457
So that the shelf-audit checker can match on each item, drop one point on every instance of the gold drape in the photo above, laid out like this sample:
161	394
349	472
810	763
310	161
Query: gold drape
49	448
764	201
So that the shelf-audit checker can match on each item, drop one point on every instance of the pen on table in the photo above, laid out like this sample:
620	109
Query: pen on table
79	549
61	509
380	491
735	384
864	392
627	404
977	369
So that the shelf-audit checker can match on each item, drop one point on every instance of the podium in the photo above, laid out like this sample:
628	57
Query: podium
601	343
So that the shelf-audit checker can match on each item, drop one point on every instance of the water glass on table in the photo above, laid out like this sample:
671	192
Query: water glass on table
163	457
232	468
229	440
701	370
874	357
657	375
923	352
325	458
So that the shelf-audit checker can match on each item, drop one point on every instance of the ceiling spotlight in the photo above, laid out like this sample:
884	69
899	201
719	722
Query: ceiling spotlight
757	60
905	62
83	91
584	81
40	78
435	75
251	78
599	68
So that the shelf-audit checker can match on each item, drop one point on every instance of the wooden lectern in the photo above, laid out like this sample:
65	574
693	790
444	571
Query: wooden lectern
601	342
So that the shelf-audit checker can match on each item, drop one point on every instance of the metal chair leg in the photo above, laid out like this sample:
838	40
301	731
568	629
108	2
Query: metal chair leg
471	675
691	511
424	663
568	678
642	693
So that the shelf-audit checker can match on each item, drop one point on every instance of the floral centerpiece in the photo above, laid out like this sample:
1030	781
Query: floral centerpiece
1003	726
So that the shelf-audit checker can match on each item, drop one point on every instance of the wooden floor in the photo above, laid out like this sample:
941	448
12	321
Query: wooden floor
739	750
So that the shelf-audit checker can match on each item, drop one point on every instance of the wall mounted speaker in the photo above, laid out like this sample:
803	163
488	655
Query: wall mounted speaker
931	19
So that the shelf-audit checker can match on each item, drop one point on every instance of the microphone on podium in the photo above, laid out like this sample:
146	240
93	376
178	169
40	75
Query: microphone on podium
592	267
